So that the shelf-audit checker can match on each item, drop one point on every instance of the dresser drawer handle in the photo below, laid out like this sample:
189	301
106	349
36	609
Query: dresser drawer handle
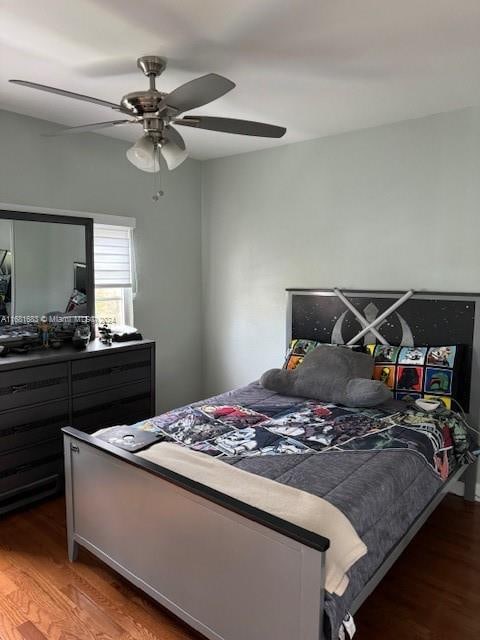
24	467
117	369
18	388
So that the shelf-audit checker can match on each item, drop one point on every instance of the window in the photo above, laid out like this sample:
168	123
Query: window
113	273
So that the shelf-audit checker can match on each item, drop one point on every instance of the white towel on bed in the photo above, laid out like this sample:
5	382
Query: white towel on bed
293	505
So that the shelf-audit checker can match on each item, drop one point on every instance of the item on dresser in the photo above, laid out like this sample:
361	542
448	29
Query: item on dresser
105	334
77	304
124	333
44	331
50	330
20	337
81	336
55	342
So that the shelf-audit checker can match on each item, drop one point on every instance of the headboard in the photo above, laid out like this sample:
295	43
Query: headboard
426	318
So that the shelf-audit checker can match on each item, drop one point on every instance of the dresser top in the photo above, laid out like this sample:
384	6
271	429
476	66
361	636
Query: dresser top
67	352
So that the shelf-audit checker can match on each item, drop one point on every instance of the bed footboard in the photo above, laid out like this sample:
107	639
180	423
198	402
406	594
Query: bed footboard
225	574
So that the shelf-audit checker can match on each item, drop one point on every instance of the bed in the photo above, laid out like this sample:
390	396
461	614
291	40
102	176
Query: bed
223	562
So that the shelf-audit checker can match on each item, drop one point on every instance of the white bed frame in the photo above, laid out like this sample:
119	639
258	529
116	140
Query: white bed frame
229	575
230	571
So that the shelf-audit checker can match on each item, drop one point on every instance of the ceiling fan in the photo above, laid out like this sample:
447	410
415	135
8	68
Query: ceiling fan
157	112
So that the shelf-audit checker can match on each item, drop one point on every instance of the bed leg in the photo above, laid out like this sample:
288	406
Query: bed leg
72	546
470	483
72	550
313	594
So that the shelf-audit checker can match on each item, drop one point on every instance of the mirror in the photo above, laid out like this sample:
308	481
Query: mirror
5	268
45	267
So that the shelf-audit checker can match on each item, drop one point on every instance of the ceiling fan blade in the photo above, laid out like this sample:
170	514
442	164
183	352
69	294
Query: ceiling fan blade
197	92
231	125
173	154
173	135
67	94
84	128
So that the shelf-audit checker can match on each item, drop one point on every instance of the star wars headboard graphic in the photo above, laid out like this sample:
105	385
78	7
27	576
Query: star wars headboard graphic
425	319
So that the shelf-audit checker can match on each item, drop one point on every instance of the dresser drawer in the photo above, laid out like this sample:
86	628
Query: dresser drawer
30	464
123	405
43	483
103	372
25	427
27	386
27	475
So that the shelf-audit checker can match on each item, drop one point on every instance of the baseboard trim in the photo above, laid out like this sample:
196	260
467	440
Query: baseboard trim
457	489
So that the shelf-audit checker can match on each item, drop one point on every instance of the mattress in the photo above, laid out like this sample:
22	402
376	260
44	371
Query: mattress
379	467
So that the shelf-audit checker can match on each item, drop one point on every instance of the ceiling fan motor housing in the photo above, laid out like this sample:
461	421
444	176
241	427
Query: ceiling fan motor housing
142	102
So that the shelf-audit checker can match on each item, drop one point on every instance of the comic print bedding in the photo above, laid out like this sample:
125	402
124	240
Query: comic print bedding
380	467
309	426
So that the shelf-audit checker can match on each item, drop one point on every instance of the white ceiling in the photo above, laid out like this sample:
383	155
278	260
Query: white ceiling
315	66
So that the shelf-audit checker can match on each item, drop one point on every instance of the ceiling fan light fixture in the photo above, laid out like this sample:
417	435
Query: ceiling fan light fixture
173	154
142	155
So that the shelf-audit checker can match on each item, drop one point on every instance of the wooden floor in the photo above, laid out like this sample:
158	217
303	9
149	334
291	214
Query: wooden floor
433	592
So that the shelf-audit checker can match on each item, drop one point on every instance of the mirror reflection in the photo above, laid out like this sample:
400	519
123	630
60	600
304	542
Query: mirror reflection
42	271
5	268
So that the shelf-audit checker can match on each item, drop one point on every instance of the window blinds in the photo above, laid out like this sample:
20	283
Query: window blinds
113	256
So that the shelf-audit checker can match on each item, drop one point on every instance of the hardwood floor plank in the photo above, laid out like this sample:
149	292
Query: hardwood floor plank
95	612
7	630
431	593
53	612
93	578
6	585
29	631
122	607
10	620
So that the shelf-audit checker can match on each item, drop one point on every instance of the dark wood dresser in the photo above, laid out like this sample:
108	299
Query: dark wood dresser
43	391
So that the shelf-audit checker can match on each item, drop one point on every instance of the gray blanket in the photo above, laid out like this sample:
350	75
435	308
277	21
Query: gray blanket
380	467
381	492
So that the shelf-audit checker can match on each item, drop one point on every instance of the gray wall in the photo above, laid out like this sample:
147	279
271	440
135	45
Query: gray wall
392	207
90	173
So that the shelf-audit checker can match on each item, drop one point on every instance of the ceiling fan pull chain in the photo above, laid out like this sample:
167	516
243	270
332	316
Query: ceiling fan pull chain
157	192
160	173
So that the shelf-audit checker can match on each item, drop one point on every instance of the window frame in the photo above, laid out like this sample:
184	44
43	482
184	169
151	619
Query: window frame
127	292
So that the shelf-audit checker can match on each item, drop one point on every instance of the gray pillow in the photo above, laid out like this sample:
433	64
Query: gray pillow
331	374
